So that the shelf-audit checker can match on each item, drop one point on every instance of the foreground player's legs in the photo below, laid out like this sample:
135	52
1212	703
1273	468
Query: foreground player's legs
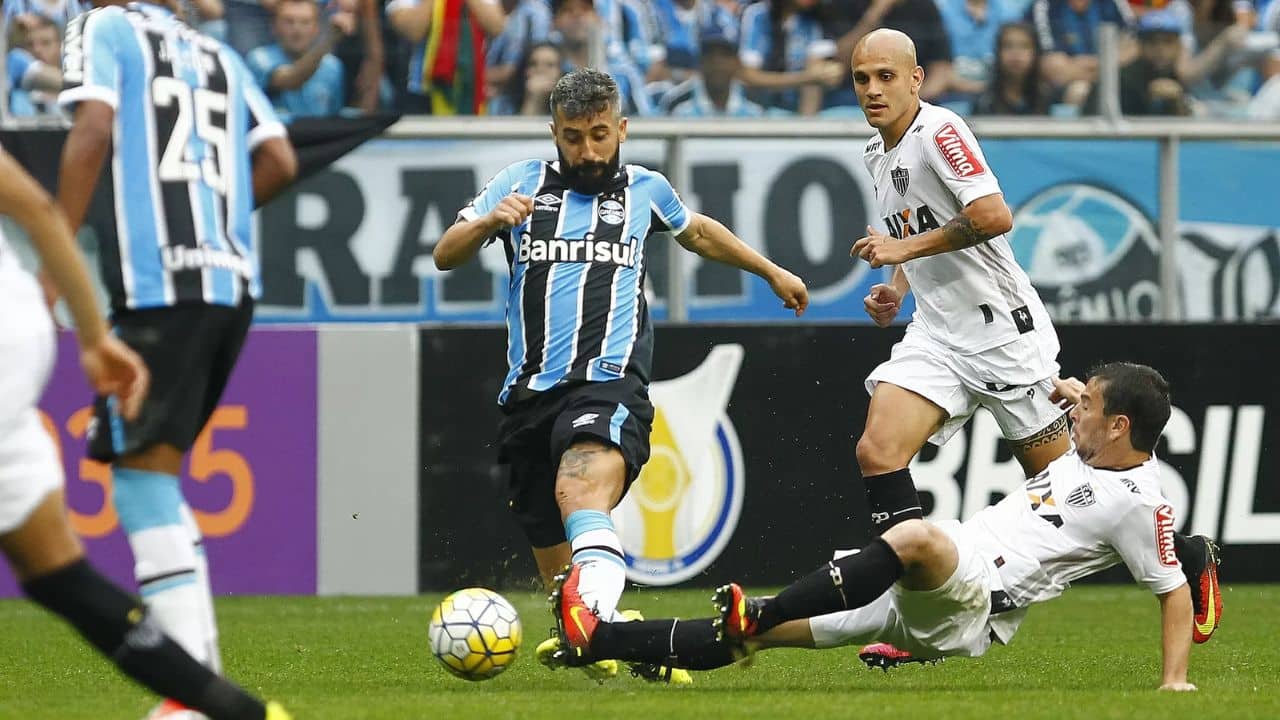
899	422
153	513
914	553
589	483
49	561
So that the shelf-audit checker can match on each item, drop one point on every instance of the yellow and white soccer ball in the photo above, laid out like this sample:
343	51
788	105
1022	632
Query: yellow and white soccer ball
475	633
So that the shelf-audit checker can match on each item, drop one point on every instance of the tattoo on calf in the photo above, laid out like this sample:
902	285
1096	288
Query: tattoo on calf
960	233
1052	433
575	460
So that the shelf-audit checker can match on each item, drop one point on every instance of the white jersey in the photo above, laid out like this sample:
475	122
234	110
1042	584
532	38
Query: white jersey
1073	520
970	300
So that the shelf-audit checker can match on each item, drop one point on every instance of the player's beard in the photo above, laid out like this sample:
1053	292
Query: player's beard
589	178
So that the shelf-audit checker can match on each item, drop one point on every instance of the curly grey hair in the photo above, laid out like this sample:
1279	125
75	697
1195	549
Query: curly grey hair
585	92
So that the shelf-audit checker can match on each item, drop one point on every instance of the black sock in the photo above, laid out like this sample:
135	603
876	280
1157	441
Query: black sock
1192	562
892	499
690	644
843	584
117	625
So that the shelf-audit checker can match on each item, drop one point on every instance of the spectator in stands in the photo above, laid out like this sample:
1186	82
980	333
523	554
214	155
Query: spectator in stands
59	11
630	31
681	26
1266	104
34	65
205	16
580	33
528	24
1216	35
447	70
248	24
1016	86
297	71
364	57
1149	84
528	90
972	26
716	91
1068	31
848	20
786	59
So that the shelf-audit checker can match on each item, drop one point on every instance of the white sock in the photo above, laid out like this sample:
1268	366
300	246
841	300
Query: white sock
206	592
150	507
165	566
597	549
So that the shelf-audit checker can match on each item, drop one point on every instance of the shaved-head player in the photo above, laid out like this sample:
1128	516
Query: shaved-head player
980	335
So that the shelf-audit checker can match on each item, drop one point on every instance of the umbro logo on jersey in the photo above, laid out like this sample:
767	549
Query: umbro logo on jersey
548	202
1081	497
962	159
901	179
586	419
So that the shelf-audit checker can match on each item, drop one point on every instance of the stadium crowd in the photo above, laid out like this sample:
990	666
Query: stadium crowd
708	58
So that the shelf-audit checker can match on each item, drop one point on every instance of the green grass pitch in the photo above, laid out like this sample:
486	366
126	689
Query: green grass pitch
1092	654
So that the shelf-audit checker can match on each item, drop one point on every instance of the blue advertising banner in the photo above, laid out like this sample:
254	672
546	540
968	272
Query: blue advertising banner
354	242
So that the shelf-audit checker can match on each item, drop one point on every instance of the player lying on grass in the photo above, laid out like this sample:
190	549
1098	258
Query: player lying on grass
953	589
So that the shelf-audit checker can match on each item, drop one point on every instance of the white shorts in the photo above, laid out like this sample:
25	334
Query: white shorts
949	621
30	468
1013	381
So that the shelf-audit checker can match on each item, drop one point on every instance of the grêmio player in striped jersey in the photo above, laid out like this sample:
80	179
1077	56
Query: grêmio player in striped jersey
575	399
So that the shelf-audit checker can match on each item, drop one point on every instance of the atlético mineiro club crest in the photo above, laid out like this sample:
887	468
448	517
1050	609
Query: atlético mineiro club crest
901	179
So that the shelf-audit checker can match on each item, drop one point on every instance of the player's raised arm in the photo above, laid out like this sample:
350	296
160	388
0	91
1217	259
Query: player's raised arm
463	239
110	366
709	238
1175	621
984	218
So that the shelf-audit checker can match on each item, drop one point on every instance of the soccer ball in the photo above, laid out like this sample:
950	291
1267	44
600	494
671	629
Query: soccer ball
475	633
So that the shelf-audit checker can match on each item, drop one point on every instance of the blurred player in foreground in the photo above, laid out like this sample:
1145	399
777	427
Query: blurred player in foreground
193	145
35	535
955	589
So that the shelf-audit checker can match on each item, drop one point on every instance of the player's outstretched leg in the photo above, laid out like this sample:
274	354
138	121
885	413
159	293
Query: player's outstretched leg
663	645
654	671
843	584
49	562
1200	559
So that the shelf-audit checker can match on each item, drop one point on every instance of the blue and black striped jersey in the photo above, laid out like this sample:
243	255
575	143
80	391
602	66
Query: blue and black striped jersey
576	310
188	115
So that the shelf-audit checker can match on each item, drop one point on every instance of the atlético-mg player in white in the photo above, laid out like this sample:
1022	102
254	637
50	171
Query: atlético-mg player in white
980	335
953	589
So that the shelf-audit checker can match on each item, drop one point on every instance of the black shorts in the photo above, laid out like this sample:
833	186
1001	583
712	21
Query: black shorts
190	350
536	432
